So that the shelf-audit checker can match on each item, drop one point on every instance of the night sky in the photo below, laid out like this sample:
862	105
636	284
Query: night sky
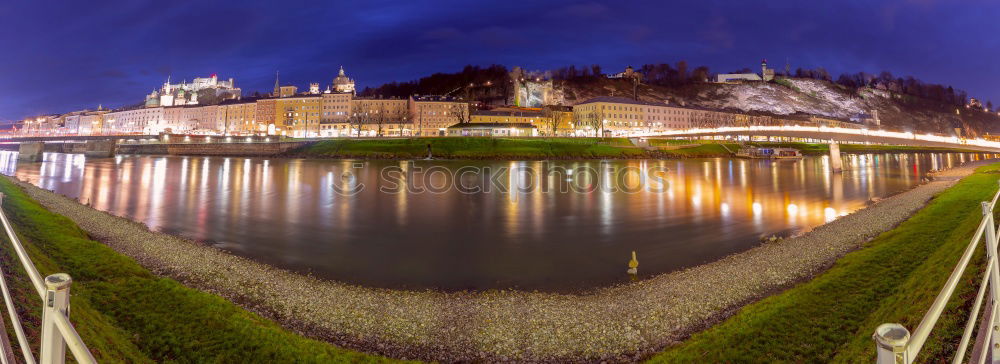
64	56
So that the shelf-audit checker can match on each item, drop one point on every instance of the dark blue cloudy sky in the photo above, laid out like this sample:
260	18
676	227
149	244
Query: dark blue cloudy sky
60	56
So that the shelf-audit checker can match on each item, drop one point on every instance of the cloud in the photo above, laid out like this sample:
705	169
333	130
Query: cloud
442	34
497	36
113	73
585	10
717	32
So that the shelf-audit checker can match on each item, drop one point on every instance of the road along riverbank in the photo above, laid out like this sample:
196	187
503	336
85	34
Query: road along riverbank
626	322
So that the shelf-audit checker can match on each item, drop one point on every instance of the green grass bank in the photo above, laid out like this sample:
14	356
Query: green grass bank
126	314
558	148
496	148
894	278
822	148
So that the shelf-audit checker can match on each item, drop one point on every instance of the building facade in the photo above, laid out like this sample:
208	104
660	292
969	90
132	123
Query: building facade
618	116
432	115
238	118
135	120
380	117
514	129
298	116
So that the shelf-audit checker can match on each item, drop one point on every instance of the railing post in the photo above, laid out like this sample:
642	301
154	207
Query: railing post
53	347
890	343
993	280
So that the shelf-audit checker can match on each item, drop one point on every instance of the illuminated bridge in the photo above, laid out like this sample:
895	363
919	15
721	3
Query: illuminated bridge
839	135
71	138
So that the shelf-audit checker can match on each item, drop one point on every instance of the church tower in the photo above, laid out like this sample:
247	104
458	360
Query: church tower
342	83
277	86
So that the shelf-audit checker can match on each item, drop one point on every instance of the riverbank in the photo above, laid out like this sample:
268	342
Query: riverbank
127	314
498	148
894	279
560	148
625	322
824	149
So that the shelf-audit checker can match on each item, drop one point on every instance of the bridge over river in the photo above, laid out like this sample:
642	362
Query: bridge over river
841	135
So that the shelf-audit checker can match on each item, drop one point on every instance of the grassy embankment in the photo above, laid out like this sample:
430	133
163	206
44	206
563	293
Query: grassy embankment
822	148
496	148
127	314
559	148
894	278
818	148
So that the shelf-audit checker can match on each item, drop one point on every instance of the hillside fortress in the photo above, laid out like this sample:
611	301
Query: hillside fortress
766	74
185	93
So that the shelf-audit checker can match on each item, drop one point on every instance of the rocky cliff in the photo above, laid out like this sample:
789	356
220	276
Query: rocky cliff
800	96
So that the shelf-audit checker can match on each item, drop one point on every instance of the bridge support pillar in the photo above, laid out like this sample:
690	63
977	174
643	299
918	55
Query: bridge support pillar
836	164
31	151
101	148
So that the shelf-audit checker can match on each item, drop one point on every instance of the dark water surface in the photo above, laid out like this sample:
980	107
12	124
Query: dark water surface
566	225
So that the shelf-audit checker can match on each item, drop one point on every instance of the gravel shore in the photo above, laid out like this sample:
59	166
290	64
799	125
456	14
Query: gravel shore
620	323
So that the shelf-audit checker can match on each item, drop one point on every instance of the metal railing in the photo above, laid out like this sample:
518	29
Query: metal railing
56	331
896	345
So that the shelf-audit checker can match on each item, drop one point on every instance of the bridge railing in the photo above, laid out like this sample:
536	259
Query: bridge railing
56	330
896	345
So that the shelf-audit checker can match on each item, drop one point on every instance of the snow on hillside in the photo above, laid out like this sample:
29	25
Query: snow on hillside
805	96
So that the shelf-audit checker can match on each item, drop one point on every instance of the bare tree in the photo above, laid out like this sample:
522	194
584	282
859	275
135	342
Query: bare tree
461	112
356	120
594	119
711	119
379	117
551	119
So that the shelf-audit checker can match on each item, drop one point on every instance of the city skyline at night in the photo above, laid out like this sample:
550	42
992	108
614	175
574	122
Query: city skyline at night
136	47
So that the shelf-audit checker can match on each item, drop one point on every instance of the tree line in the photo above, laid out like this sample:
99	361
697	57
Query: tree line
482	83
473	82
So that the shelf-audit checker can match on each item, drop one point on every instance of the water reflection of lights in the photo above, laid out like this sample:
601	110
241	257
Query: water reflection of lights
739	198
829	214
793	209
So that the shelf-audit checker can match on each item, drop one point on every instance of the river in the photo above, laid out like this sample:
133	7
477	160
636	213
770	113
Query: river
454	225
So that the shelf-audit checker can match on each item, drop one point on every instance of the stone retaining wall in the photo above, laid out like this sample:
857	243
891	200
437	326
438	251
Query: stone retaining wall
214	149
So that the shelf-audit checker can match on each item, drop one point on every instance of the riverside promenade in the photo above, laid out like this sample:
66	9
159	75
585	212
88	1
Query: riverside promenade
626	322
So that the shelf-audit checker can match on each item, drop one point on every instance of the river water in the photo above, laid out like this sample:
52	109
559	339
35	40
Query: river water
453	225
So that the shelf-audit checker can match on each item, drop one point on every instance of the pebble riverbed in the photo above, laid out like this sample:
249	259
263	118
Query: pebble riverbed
620	323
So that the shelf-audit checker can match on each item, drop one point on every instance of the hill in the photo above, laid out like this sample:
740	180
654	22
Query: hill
900	103
799	96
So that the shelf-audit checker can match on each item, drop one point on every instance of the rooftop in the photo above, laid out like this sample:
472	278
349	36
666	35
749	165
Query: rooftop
491	125
508	113
621	100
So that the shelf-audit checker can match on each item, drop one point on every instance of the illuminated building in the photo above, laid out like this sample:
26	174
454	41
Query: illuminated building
619	116
432	115
238	118
298	116
493	129
766	74
342	83
184	93
368	116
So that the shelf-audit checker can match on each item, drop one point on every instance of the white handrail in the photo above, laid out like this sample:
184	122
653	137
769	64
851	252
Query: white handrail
22	339
894	343
930	318
36	279
971	324
57	332
73	340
